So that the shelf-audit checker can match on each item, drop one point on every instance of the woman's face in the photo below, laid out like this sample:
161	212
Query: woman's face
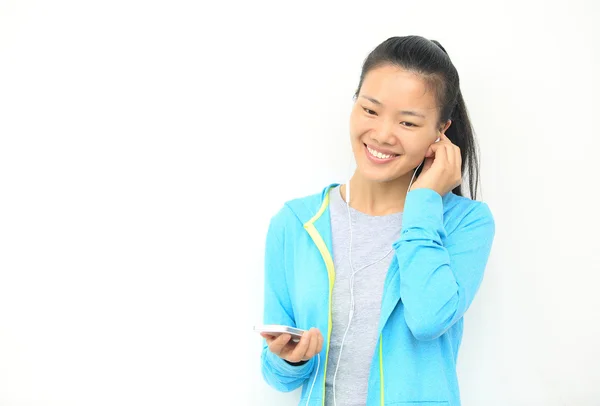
393	121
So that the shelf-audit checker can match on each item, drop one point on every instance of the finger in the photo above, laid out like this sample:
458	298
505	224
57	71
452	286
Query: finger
458	160
312	347
458	163
279	343
321	340
301	348
440	153
428	164
433	148
451	155
444	138
267	337
288	349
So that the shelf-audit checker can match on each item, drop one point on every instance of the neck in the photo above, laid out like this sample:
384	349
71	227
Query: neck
377	198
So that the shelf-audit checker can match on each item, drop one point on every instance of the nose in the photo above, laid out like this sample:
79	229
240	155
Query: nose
384	133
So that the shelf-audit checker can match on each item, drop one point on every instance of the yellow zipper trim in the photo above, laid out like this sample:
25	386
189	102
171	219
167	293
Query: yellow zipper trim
322	246
381	367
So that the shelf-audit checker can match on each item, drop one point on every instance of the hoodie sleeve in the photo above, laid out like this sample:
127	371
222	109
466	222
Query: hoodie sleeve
277	372
438	282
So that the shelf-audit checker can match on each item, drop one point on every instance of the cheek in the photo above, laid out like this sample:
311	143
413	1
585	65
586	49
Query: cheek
353	124
422	140
358	126
414	144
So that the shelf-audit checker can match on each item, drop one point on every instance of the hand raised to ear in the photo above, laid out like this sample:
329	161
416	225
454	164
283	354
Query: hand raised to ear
442	168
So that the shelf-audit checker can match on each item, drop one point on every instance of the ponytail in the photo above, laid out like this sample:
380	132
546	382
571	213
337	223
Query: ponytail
461	134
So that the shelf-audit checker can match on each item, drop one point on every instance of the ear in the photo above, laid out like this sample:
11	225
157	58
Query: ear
444	127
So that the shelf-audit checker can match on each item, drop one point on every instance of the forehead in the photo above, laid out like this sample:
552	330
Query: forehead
397	88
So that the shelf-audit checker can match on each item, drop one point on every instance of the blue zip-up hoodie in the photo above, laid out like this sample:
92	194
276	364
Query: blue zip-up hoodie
438	267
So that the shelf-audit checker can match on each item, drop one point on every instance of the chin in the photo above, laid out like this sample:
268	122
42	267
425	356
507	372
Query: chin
378	175
375	173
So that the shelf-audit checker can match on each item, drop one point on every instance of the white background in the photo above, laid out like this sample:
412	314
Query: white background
145	145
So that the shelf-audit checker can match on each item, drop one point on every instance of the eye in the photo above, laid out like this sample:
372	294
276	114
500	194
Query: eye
369	111
407	124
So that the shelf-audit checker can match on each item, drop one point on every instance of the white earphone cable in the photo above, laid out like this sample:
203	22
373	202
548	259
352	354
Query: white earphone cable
351	313
314	380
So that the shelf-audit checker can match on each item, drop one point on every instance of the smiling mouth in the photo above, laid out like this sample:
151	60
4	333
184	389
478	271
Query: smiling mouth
378	154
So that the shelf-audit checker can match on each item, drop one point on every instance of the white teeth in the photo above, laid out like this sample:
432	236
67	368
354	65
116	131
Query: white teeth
379	154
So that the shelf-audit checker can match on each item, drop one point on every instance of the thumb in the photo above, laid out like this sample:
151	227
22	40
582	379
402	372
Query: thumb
427	164
431	150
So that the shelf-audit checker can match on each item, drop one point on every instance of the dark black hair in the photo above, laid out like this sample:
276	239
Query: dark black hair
430	59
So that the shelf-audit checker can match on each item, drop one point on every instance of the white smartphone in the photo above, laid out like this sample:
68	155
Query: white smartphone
278	329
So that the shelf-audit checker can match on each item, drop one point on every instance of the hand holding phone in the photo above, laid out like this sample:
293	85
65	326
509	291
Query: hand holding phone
275	330
281	344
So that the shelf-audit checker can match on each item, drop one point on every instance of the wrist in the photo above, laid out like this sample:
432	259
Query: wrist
415	187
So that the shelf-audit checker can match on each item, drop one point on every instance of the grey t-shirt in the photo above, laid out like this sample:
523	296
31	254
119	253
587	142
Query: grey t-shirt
372	239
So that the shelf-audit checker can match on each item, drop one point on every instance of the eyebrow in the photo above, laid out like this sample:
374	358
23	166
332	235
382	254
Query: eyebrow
404	112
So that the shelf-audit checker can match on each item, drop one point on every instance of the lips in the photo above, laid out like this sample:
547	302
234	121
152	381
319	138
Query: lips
379	157
380	154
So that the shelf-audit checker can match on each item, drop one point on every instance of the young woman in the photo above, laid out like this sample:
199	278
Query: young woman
381	270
